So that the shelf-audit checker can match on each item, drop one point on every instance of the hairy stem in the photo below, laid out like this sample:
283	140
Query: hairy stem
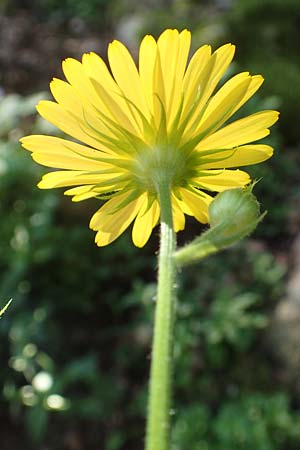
158	421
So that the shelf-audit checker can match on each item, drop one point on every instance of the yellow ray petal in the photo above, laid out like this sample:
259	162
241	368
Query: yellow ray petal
167	52
239	156
79	190
126	75
145	222
255	83
110	223
215	69
183	53
108	208
87	114
177	89
60	153
120	114
220	180
147	58
109	92
241	131
92	89
220	107
40	142
208	79
85	196
70	124
178	215
81	193
173	49
193	76
66	95
96	69
64	178
195	204
172	53
71	162
159	95
77	77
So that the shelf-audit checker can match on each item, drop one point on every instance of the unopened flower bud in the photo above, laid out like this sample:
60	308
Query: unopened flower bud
233	214
237	211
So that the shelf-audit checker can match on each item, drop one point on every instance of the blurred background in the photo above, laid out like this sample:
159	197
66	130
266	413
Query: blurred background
75	342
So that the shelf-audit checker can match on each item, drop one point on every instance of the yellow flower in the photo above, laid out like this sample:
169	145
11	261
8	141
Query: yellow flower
164	118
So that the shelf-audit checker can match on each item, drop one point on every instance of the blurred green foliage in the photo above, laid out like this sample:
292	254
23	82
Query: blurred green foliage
267	33
75	341
93	10
255	421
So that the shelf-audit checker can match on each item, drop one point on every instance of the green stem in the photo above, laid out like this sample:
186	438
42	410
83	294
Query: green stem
158	421
210	242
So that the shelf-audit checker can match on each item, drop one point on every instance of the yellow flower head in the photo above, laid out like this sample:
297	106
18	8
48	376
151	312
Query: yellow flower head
136	125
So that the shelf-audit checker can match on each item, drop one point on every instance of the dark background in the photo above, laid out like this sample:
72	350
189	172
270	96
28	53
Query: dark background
75	342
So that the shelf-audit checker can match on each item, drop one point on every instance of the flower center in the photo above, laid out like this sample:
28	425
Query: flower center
157	163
